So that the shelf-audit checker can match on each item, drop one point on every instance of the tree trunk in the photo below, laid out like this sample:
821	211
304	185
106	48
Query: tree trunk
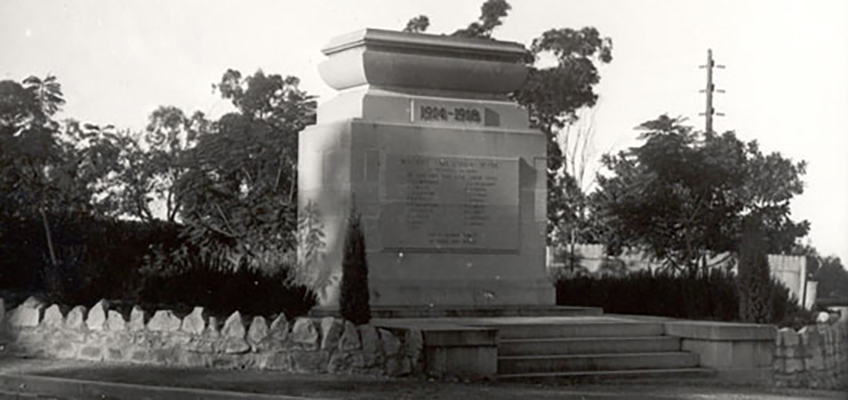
49	237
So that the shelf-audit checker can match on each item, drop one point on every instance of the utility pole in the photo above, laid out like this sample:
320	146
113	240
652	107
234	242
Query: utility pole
710	111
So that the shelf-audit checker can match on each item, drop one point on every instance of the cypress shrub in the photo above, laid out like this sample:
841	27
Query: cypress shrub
354	297
754	289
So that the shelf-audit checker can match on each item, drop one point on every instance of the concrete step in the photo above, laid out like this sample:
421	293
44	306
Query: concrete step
576	346
596	362
580	329
384	312
606	376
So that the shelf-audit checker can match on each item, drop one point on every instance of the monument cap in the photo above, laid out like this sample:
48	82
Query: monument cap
389	59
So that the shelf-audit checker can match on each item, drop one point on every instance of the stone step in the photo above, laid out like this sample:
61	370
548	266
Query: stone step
606	376
596	362
395	312
579	330
577	346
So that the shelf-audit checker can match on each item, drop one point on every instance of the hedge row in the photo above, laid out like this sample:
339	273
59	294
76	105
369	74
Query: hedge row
119	260
710	295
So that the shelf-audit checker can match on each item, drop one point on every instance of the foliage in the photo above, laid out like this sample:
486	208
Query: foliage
418	24
310	251
239	191
491	13
222	291
832	280
681	195
354	297
708	295
754	293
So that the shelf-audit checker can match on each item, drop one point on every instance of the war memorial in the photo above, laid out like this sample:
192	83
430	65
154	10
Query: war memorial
444	169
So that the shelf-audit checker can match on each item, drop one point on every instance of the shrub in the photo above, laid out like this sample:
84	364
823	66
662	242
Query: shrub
132	262
710	295
754	291
222	291
354	298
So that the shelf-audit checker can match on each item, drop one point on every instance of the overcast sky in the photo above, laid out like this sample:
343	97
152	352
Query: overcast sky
786	77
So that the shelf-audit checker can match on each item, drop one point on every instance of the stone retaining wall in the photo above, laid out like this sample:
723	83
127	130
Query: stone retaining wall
326	345
814	357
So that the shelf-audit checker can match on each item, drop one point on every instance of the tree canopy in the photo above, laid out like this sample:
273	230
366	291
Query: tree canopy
682	195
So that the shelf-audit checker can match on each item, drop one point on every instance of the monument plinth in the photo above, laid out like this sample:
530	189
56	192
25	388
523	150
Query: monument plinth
447	175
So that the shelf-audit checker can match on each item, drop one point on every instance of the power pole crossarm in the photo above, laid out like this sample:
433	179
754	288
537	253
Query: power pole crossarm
710	89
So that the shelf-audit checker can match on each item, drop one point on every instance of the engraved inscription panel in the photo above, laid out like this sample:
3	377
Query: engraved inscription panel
449	203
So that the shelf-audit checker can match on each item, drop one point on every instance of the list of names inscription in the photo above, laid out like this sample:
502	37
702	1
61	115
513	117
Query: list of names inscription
450	203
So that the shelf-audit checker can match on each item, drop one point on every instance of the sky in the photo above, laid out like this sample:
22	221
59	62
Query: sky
786	75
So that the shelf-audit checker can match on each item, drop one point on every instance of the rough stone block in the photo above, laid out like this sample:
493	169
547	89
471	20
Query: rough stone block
92	353
115	322
414	342
195	360
331	332
164	321
76	318
789	337
794	365
53	318
194	323
398	367
340	362
212	330
201	345
63	349
96	320
140	356
391	344
310	361
279	362
234	326
115	354
350	340
27	314
280	327
370	339
168	356
234	345
304	333
258	330
137	319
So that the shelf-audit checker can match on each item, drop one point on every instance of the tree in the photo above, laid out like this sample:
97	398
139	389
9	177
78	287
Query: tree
832	279
418	24
553	94
239	192
354	297
754	288
682	195
490	18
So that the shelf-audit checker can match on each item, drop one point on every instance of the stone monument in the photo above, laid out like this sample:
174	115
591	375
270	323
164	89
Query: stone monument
444	170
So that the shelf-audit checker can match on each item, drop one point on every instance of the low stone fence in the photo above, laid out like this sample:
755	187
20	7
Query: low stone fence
326	345
815	357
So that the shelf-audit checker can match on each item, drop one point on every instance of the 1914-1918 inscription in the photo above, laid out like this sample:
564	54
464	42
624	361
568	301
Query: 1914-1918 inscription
449	203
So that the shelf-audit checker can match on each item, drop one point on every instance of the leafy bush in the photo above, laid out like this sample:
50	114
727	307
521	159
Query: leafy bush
222	291
131	262
354	299
96	258
711	295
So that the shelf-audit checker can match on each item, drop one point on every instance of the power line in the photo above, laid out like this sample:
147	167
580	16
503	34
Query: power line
710	111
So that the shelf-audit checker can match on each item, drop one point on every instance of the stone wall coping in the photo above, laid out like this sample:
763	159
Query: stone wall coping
403	41
720	331
446	334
